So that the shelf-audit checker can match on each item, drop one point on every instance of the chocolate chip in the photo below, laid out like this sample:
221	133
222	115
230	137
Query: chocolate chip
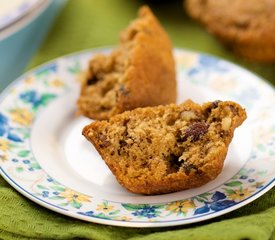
194	131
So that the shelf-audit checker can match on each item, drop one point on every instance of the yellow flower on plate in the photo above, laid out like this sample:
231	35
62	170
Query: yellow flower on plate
240	194
186	60
57	83
180	207
124	218
29	80
3	158
104	207
71	195
262	134
223	83
4	145
22	116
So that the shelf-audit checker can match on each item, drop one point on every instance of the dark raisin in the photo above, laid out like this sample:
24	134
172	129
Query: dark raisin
122	143
203	2
223	133
175	164
195	131
215	104
132	34
125	122
171	121
189	167
234	110
105	144
103	141
92	80
147	31
123	90
244	24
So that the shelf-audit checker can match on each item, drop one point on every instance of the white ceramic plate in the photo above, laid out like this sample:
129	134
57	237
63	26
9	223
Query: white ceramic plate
45	157
11	11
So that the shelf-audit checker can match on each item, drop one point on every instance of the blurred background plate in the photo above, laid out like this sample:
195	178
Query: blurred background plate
11	11
21	38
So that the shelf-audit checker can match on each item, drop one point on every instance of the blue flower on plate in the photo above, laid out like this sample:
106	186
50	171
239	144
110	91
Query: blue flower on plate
207	64
88	213
147	211
6	130
52	67
35	99
218	203
45	194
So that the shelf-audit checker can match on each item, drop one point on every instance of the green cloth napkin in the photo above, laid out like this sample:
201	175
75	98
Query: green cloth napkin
86	24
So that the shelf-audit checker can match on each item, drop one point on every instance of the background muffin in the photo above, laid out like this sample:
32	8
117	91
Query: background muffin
246	27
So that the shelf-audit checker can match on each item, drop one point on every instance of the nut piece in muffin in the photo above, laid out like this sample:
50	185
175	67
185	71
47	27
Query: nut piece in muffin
140	72
164	149
246	27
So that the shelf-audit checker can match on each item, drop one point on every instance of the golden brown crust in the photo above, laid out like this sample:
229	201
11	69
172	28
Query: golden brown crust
169	148
247	28
139	73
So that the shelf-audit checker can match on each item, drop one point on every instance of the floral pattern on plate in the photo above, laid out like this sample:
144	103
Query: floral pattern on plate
24	100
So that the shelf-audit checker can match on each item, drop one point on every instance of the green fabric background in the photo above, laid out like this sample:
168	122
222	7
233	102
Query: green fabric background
86	24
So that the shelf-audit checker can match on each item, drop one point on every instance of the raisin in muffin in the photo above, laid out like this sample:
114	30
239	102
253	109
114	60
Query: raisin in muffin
246	27
164	149
139	72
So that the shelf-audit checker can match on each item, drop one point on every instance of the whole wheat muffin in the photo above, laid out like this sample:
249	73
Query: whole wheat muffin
246	27
139	73
168	148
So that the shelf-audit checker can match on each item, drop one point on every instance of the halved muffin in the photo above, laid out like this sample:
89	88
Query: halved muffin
164	149
140	72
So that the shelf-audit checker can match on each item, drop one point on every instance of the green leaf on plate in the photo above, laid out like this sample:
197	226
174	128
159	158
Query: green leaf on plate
23	153
58	188
75	204
114	212
134	207
229	191
56	198
75	69
233	184
19	169
159	206
35	166
63	204
41	187
261	147
46	98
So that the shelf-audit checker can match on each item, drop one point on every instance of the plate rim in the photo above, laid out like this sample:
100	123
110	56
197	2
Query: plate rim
134	224
113	222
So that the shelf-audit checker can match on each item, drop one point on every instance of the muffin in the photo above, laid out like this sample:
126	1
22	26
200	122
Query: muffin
246	27
140	72
164	149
